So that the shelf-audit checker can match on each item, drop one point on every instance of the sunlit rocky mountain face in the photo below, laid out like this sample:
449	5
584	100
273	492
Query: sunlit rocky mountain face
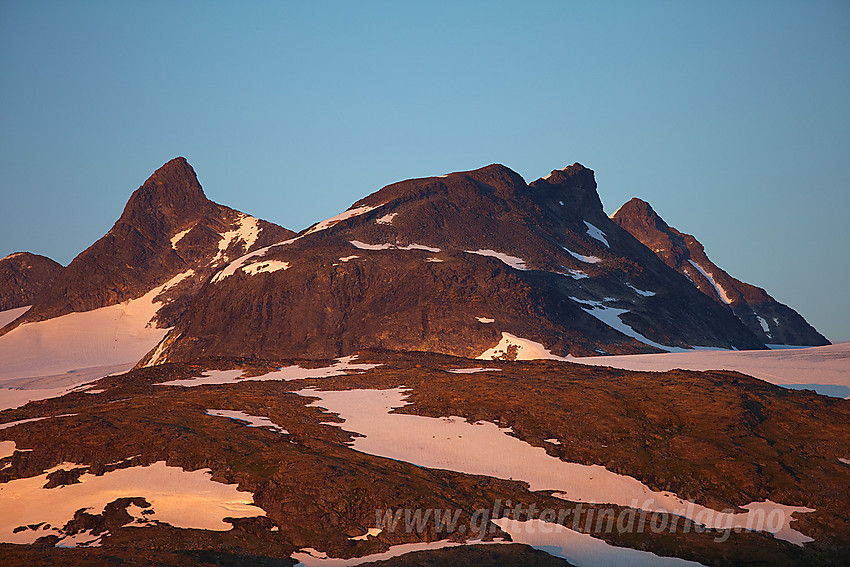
289	391
771	321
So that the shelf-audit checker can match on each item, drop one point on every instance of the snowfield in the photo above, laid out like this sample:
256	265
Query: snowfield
581	549
50	358
452	443
825	369
176	497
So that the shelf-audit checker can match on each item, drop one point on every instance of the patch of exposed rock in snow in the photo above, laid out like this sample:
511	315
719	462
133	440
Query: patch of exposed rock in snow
512	261
386	219
582	257
250	420
371	532
341	367
721	293
10	315
525	349
388	246
594	232
180	498
582	550
345	215
452	443
265	267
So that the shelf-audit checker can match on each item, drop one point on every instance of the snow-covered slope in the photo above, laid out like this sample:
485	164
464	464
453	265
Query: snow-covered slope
825	369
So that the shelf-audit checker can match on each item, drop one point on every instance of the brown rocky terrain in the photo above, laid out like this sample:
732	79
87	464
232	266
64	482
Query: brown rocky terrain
771	321
23	277
718	438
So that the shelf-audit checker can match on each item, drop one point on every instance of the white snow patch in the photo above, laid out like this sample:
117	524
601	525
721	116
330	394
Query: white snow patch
177	497
552	441
341	367
561	203
763	324
452	443
350	213
582	257
265	267
388	246
485	320
32	419
431	259
10	315
179	236
371	532
7	449
420	247
611	317
348	258
364	246
512	261
386	219
582	550
309	557
525	349
845	461
46	359
231	268
640	291
594	232
250	420
473	370
247	230
720	291
575	274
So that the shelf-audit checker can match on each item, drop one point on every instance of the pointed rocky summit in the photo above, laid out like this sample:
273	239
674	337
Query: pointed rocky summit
771	321
168	231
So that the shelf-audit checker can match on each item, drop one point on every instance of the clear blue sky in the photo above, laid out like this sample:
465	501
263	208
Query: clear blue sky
731	118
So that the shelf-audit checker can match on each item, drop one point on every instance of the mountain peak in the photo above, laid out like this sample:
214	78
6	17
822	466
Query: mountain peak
172	190
576	187
637	216
771	321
